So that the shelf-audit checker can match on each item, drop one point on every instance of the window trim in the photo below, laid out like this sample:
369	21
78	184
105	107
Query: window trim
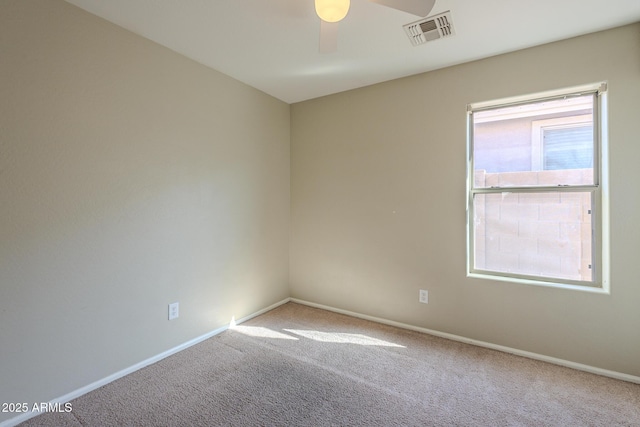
600	188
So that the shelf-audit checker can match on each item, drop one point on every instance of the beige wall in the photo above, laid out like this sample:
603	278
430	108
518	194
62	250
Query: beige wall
378	204
130	178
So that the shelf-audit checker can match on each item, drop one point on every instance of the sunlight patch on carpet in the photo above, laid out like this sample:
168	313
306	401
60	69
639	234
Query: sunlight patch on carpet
342	338
259	331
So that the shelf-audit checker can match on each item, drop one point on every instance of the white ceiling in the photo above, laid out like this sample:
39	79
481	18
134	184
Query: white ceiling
272	45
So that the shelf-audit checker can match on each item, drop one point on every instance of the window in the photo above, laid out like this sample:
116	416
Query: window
562	143
537	189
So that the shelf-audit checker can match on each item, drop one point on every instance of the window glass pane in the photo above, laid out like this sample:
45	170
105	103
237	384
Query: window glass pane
510	149
568	148
540	234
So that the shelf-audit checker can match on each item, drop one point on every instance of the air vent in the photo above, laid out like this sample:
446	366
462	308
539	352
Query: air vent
430	28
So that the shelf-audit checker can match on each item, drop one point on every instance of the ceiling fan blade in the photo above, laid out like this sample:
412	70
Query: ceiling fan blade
415	7
328	36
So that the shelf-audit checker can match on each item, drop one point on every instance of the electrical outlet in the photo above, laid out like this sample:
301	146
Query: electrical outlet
174	310
424	296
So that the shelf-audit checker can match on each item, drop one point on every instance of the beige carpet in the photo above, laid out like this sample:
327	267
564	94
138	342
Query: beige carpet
300	366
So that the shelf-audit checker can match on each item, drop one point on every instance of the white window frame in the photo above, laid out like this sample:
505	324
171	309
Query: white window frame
600	189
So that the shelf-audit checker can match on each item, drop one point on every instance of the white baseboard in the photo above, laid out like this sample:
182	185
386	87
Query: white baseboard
528	354
97	384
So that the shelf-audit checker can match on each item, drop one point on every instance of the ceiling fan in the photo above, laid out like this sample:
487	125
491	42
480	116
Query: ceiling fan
331	12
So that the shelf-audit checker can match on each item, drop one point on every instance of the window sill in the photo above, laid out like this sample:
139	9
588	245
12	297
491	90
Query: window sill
604	290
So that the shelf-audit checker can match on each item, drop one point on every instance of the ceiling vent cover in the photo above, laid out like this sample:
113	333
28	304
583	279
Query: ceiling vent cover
430	28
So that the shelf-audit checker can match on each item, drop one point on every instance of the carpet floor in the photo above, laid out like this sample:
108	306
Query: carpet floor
302	366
